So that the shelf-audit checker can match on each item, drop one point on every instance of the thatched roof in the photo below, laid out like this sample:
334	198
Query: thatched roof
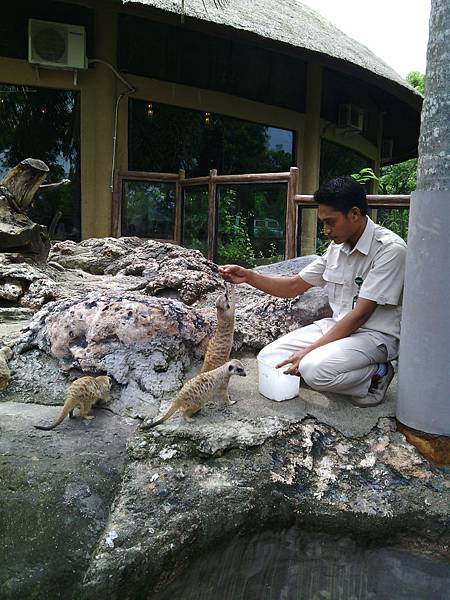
288	21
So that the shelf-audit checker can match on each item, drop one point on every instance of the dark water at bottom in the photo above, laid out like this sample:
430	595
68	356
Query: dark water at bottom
294	565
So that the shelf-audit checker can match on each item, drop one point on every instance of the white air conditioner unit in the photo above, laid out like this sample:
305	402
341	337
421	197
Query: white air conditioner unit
387	147
350	117
56	45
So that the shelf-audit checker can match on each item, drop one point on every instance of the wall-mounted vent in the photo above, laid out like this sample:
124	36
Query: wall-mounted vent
350	117
387	147
56	45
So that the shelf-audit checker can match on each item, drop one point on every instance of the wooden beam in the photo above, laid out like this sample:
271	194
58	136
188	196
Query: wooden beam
147	176
212	215
393	201
252	178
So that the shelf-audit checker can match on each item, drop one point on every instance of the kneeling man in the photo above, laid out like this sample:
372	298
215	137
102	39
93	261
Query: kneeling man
363	273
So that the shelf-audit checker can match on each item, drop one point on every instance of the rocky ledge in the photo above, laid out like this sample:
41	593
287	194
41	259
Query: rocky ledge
104	510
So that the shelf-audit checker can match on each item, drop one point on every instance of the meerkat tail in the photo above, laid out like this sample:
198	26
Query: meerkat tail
173	409
65	411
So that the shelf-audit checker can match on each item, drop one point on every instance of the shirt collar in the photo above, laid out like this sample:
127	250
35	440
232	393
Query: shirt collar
364	242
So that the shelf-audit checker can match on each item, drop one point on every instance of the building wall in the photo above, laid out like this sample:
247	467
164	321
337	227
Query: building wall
100	89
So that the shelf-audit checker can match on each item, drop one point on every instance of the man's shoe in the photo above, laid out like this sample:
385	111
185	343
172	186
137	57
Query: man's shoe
377	391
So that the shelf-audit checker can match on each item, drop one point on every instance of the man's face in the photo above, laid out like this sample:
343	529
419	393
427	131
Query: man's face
338	227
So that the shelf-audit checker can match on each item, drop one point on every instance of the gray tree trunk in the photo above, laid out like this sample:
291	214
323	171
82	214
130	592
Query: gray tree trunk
424	366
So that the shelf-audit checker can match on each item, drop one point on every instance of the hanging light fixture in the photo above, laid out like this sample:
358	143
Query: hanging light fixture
43	109
207	119
150	113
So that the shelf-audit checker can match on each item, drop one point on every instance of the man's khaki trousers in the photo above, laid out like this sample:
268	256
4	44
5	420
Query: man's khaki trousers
345	366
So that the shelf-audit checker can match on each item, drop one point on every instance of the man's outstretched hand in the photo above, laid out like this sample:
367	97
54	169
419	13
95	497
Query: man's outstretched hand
293	360
233	273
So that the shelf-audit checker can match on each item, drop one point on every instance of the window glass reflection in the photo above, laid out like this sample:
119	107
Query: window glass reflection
45	124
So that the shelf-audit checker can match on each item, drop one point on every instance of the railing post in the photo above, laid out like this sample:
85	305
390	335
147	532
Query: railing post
177	233
212	215
290	248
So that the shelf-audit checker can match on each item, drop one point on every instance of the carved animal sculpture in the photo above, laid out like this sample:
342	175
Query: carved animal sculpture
83	393
5	373
197	391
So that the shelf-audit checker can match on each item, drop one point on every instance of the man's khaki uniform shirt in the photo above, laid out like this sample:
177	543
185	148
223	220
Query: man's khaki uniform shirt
374	269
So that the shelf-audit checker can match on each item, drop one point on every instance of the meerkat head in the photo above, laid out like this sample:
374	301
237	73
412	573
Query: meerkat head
235	367
7	352
225	301
104	382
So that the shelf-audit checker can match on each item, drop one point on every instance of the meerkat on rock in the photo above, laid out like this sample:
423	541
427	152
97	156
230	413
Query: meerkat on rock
219	347
83	393
197	391
5	373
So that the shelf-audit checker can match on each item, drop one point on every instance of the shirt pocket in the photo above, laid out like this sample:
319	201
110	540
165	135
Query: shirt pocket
335	283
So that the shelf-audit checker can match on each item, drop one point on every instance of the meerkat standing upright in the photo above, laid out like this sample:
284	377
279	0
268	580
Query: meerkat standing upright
84	393
219	347
5	373
197	391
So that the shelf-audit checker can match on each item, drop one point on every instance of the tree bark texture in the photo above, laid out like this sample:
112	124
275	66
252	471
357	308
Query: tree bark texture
434	144
19	235
424	373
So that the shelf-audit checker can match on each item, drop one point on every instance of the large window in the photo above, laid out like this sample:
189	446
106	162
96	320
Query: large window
45	124
251	224
165	138
336	160
148	209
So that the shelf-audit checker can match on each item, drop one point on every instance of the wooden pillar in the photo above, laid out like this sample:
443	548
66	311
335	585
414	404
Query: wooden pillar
98	107
212	215
179	205
290	250
310	155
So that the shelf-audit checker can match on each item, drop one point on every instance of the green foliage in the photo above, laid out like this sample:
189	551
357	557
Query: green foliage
395	179
195	221
149	209
400	178
365	175
234	244
417	80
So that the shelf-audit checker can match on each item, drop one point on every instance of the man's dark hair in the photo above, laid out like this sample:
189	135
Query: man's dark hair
342	194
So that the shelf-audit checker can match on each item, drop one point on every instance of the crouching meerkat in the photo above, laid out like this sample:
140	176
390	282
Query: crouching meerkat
83	393
201	388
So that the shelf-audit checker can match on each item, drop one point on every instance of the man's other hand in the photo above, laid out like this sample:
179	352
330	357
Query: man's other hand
294	360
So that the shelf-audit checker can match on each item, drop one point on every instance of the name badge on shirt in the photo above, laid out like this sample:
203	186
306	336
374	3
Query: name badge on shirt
359	281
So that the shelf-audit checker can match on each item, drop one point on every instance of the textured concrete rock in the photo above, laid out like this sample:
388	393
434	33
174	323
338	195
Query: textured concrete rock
55	496
146	344
173	502
167	269
84	521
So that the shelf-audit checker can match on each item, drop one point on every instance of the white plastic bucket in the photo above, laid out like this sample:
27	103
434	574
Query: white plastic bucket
273	383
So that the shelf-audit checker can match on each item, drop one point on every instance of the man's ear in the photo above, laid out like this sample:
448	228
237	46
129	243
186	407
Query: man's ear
355	213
